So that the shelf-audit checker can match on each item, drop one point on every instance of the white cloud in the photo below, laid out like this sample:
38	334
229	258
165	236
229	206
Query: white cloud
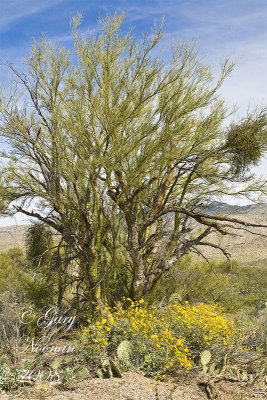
15	10
16	220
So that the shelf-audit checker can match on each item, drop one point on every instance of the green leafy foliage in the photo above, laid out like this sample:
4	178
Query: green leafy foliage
117	152
39	243
8	377
158	340
12	264
235	287
246	142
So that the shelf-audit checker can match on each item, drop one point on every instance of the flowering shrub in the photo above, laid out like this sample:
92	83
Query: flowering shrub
98	330
202	325
163	339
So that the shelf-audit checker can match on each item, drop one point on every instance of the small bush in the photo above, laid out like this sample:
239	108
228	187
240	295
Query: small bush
162	339
235	287
202	325
8	377
252	328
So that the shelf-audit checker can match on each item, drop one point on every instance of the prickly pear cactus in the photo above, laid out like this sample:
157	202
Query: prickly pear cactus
106	368
212	368
83	373
205	358
125	352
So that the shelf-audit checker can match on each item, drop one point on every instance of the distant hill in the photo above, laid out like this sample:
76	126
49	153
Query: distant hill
225	208
12	236
247	248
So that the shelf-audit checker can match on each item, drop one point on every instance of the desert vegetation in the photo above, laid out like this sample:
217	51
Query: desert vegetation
217	325
117	156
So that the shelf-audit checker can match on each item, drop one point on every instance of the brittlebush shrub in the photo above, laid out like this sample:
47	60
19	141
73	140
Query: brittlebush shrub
202	325
162	339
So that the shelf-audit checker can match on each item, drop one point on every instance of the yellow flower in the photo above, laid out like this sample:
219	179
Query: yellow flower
151	327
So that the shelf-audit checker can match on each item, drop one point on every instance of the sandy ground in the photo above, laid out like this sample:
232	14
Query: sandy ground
134	386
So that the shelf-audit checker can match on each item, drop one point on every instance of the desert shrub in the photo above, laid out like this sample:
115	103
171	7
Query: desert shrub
12	299
12	264
11	329
18	277
235	287
192	281
252	328
161	339
8	377
38	289
245	288
251	283
21	288
202	325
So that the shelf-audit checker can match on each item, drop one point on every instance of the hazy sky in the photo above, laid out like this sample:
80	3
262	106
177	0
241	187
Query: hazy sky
235	28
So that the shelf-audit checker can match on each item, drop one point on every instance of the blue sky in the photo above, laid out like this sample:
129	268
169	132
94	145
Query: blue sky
235	28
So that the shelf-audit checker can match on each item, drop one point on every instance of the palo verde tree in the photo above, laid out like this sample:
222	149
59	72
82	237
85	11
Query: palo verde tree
121	150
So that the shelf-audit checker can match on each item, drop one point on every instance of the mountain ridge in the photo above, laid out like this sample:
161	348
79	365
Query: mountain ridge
247	248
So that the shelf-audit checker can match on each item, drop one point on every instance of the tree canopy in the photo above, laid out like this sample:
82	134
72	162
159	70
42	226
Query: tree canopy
119	150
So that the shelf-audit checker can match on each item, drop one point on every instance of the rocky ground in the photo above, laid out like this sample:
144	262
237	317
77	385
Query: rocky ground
134	386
